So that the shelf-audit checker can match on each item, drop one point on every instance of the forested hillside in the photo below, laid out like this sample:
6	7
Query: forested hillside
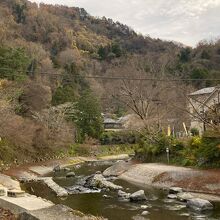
46	55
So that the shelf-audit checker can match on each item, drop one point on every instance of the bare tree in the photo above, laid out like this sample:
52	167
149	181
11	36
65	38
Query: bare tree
207	114
150	100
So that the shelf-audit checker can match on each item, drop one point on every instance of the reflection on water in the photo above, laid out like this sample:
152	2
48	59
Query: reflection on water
158	206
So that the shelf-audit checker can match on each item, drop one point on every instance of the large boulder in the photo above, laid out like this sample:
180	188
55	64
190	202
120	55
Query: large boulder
172	196
99	181
123	195
175	190
199	204
138	196
57	168
117	169
184	196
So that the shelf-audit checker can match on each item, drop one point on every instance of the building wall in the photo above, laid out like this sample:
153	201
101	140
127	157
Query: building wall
197	100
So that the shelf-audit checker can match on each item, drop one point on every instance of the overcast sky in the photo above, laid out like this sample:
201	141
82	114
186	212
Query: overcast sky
185	21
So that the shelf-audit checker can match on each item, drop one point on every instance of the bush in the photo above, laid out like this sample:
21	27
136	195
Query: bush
194	131
208	152
119	137
153	148
201	152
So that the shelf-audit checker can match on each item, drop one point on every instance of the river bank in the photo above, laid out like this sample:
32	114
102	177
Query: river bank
108	203
166	176
31	206
203	184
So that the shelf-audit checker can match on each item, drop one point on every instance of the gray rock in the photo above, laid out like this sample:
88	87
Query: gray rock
117	169
98	172
138	196
184	196
99	181
78	166
144	207
172	196
70	174
81	190
123	195
57	168
145	213
106	197
175	190
111	178
199	204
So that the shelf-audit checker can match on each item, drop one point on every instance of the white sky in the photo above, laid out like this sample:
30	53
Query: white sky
185	21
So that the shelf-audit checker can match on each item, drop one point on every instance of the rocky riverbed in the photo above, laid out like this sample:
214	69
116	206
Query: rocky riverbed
98	187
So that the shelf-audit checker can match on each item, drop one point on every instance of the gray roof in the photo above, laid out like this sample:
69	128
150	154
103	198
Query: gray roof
203	91
110	121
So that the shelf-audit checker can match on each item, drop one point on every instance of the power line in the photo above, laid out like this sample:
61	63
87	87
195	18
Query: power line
114	77
147	79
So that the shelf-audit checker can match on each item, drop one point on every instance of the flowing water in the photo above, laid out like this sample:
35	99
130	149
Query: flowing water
159	207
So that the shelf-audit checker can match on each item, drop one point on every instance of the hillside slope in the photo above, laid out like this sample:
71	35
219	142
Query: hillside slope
47	54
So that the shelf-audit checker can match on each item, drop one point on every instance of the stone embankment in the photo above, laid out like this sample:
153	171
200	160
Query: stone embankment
29	207
165	176
27	177
24	206
60	191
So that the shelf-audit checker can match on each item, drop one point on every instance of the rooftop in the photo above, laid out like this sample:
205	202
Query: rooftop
203	91
110	121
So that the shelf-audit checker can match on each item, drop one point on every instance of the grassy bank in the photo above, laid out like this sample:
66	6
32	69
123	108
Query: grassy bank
100	150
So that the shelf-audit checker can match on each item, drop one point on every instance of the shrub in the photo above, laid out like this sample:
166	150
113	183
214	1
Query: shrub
194	131
202	152
153	148
208	153
119	137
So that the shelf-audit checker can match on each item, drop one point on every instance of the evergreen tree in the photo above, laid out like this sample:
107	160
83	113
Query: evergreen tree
13	63
89	118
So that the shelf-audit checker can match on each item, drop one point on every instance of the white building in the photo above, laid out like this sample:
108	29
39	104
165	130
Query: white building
200	102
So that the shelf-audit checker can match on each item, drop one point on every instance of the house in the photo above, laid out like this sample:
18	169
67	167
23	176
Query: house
112	124
201	102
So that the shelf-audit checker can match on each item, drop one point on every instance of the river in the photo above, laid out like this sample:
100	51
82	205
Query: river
158	206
